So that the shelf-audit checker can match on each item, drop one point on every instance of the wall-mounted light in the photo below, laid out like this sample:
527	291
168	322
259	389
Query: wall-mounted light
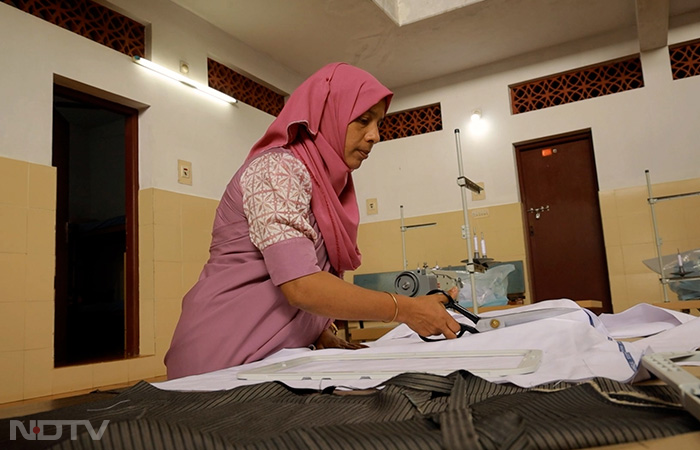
183	79
477	125
476	115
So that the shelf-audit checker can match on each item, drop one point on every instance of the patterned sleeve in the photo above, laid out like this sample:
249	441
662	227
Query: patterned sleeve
277	199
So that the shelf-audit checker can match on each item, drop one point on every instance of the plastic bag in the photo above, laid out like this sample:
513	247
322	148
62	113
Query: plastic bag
690	262
491	286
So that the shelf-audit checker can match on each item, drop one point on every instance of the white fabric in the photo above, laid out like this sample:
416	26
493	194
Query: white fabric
642	320
576	346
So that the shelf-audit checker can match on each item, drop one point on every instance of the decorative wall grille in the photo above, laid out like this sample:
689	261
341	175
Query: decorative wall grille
90	20
685	59
411	122
581	84
244	89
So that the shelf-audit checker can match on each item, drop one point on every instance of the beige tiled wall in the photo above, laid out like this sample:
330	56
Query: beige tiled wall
174	246
27	199
629	237
174	233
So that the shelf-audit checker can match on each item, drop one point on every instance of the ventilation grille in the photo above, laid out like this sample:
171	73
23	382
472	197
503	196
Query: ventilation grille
685	59
590	82
90	20
412	122
244	89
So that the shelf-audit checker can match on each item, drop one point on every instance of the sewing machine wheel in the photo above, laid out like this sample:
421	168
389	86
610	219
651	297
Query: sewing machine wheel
407	283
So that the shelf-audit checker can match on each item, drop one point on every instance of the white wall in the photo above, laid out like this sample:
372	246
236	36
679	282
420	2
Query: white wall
180	123
655	127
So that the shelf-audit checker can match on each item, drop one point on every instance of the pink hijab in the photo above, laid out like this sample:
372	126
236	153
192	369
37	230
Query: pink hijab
313	125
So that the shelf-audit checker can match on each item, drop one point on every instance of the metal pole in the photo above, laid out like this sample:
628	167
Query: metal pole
652	201
403	241
470	260
403	235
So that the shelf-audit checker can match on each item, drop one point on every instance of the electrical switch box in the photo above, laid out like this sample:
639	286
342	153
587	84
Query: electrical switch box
184	172
372	206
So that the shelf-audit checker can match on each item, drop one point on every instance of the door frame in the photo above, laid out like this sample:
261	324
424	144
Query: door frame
131	183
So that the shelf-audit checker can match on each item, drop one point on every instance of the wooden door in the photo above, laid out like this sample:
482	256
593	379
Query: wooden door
559	192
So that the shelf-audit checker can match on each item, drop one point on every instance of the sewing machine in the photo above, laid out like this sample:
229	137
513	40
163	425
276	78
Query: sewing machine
419	281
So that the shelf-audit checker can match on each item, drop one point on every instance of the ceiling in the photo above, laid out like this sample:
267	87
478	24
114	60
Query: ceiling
457	35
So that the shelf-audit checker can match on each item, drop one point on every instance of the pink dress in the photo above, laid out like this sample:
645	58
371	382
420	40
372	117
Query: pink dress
264	235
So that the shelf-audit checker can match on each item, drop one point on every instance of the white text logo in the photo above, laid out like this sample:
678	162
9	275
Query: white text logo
38	429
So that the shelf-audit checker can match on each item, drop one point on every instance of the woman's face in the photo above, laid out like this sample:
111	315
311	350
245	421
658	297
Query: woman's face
362	134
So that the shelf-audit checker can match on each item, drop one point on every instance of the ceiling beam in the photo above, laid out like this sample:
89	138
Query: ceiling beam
652	23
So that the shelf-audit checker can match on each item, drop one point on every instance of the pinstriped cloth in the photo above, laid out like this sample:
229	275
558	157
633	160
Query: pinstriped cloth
412	411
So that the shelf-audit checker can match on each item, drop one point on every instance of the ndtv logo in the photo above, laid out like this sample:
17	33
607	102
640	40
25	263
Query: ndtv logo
37	429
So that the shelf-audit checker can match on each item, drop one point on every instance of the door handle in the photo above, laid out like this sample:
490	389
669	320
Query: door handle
538	211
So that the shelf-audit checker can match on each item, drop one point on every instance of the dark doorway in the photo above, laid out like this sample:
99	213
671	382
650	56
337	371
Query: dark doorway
559	192
96	296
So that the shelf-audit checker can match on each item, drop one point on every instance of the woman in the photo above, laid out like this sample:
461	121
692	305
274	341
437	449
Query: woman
286	230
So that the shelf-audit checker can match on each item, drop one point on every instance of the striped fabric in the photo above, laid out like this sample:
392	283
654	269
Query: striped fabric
412	411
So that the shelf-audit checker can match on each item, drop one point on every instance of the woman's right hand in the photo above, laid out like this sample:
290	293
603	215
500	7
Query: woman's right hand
427	316
326	295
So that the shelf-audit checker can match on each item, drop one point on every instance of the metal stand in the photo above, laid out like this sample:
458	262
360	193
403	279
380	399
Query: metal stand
686	385
652	201
403	236
467	184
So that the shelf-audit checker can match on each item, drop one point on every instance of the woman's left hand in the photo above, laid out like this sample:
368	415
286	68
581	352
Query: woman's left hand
328	339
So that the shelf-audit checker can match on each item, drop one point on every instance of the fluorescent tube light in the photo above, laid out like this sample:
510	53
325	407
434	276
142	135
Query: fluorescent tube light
183	79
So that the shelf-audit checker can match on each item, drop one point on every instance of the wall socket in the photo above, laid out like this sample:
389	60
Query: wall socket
184	172
372	206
